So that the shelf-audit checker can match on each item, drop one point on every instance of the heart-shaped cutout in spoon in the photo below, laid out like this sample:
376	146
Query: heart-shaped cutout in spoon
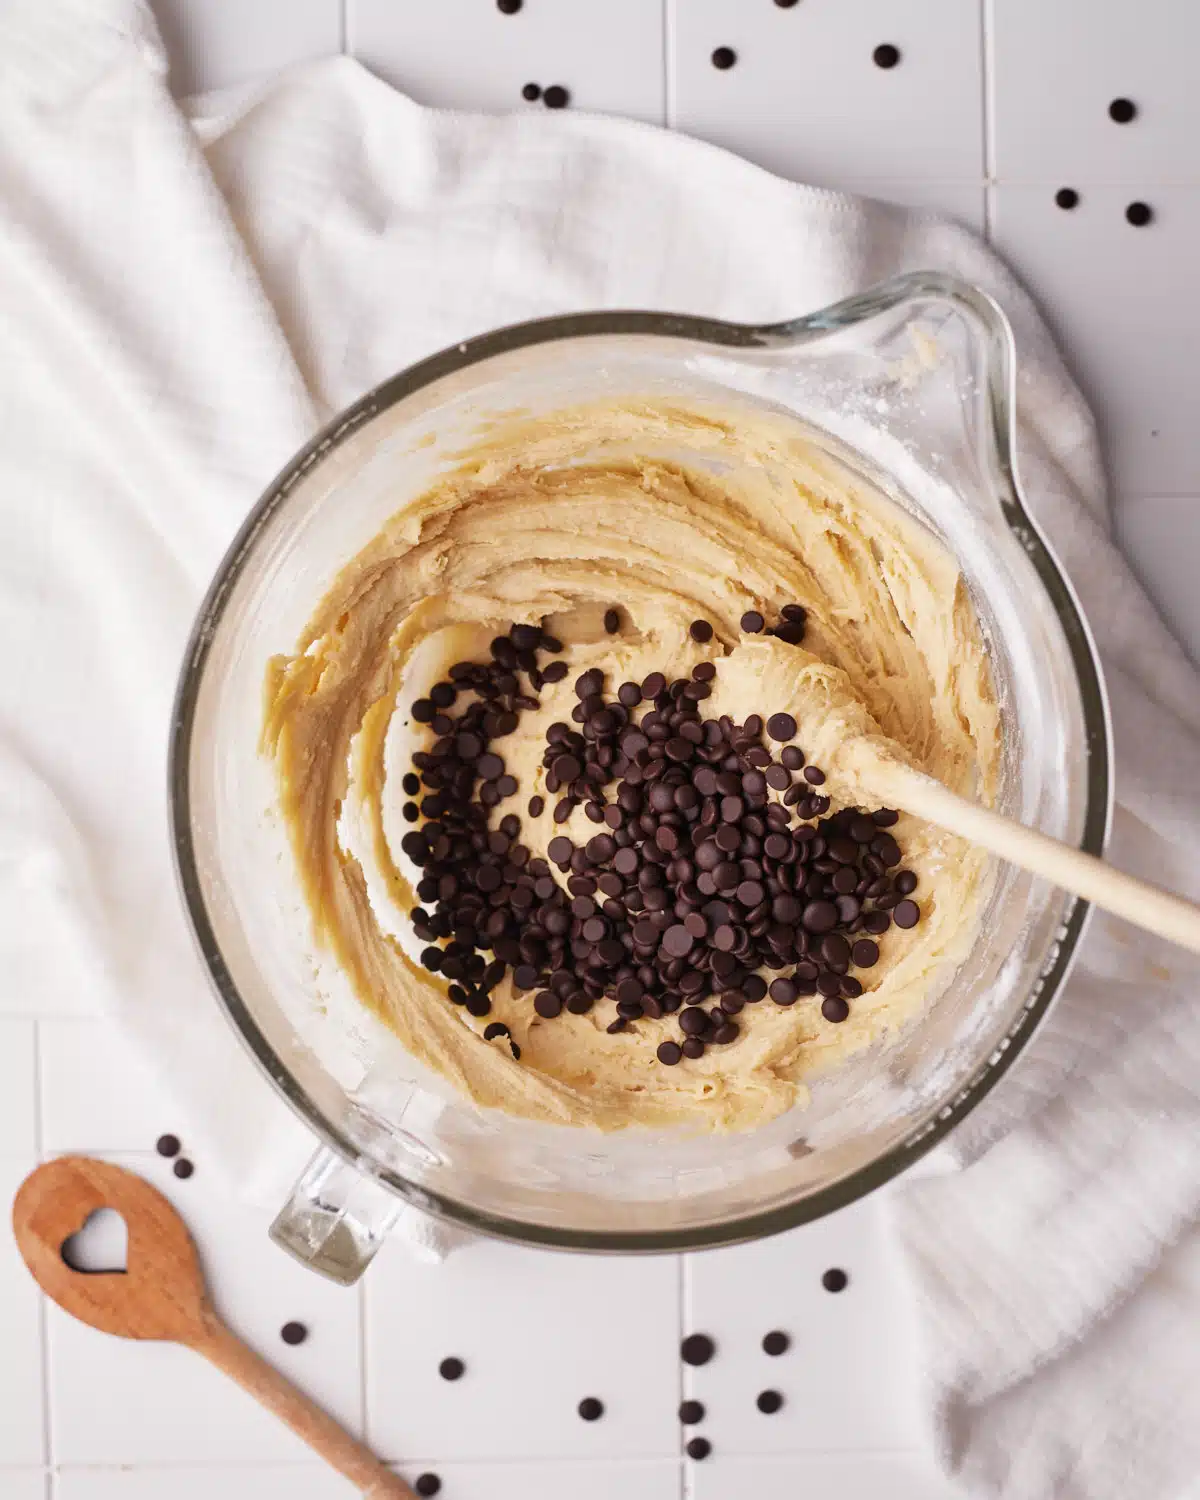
161	1295
100	1247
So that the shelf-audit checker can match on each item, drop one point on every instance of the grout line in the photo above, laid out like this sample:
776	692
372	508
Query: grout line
364	1420
344	26
39	1139
669	108
685	1288
987	24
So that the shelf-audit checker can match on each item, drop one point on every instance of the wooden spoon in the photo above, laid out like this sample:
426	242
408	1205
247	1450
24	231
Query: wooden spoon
1147	906
162	1295
868	769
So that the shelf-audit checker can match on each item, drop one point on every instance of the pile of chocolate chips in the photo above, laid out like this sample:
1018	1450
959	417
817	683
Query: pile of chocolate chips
698	880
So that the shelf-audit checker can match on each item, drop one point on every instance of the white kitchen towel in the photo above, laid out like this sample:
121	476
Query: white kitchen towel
182	301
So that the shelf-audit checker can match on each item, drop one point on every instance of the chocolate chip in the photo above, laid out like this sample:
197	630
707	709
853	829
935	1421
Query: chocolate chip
835	1280
1139	215
792	757
677	941
834	1008
885	55
776	1343
906	914
820	916
905	882
691	1412
752	622
865	953
669	1053
556	97
555	671
293	1333
814	776
590	1409
781	726
612	621
182	1167
452	1369
701	631
654	685
697	1349
1067	198
429	1483
1122	111
783	992
698	1448
167	1145
724	58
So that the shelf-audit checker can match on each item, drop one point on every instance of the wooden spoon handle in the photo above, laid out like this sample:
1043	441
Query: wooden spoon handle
1145	905
302	1415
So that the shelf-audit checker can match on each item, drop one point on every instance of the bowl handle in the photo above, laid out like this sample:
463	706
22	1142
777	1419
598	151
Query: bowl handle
336	1219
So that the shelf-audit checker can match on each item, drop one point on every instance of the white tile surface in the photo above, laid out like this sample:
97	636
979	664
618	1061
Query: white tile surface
652	1480
97	1093
852	1340
866	1476
212	43
23	1484
244	1482
18	1079
124	1402
631	1481
22	1420
466	54
1122	302
538	1331
1058	66
1161	538
805	98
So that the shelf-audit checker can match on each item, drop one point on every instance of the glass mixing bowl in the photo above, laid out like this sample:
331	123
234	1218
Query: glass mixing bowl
911	384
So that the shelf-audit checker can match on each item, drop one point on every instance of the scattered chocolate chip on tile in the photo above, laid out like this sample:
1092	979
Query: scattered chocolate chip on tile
697	1349
698	1448
167	1145
293	1333
452	1369
427	1484
183	1168
835	1280
769	1402
591	1409
691	1412
776	1343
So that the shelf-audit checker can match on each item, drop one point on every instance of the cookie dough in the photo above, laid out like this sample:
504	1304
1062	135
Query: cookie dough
671	513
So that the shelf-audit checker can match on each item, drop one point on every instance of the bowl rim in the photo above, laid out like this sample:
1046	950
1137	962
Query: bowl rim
1000	361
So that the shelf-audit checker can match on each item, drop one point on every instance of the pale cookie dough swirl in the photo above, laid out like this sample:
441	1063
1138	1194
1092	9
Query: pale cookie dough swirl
672	513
